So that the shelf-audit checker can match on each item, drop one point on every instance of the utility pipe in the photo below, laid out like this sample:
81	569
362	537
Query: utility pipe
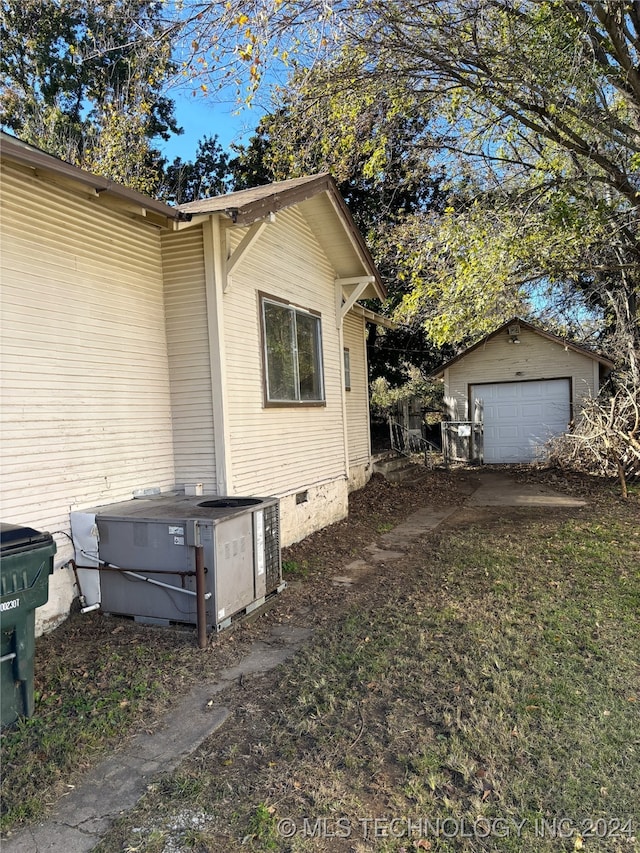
107	567
201	598
83	600
164	585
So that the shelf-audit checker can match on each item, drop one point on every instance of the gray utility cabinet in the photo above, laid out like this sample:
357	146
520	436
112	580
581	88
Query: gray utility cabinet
146	549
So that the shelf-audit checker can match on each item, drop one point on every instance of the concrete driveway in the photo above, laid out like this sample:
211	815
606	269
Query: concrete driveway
499	489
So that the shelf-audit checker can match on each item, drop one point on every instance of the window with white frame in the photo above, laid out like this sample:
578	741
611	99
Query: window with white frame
292	354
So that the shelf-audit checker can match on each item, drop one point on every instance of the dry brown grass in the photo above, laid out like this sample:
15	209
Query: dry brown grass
489	680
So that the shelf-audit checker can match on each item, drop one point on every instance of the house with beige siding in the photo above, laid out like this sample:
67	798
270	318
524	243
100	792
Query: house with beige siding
146	347
528	385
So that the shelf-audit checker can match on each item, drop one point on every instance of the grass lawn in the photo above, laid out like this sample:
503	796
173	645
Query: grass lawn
482	693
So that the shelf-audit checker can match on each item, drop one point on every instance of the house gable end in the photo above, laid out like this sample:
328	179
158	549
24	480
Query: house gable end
503	329
317	197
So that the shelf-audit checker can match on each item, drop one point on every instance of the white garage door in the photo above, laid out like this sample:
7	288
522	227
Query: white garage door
520	416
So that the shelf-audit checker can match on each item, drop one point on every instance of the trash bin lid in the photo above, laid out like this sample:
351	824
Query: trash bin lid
13	537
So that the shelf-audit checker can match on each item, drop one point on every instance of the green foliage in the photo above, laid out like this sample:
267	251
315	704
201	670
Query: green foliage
532	110
295	569
384	397
535	104
251	166
262	828
208	175
84	81
487	254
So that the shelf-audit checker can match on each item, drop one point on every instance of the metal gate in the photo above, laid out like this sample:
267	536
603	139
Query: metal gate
409	442
463	441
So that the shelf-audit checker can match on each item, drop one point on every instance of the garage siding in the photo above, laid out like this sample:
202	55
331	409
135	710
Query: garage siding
530	389
535	357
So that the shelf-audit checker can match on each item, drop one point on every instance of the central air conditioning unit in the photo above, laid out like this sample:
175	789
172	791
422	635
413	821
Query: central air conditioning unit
145	553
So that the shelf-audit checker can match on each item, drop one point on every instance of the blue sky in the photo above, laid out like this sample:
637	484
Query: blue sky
201	115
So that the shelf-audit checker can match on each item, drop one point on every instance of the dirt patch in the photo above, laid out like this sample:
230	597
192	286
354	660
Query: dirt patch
474	679
374	508
100	679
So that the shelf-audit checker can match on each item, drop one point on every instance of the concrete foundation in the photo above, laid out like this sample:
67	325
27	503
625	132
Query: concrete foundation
305	512
359	475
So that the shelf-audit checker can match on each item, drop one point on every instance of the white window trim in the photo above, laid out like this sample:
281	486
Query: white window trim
295	310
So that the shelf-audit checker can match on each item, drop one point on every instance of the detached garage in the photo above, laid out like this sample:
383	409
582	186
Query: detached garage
530	384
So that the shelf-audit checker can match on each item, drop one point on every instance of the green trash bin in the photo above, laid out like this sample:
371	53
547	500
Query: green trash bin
26	561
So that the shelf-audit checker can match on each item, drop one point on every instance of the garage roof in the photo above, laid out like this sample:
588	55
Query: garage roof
439	373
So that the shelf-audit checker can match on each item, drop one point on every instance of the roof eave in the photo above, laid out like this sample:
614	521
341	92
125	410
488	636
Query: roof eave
27	155
373	317
323	183
258	209
357	238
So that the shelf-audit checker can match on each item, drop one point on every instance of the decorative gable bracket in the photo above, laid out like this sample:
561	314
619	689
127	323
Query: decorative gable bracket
349	290
241	250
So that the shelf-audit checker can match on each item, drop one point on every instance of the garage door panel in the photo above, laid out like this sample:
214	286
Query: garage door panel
519	417
559	405
507	412
506	432
509	454
503	394
533	411
554	388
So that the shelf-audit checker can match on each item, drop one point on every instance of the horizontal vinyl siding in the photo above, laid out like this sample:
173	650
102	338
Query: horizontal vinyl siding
358	396
85	407
277	450
189	358
534	357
